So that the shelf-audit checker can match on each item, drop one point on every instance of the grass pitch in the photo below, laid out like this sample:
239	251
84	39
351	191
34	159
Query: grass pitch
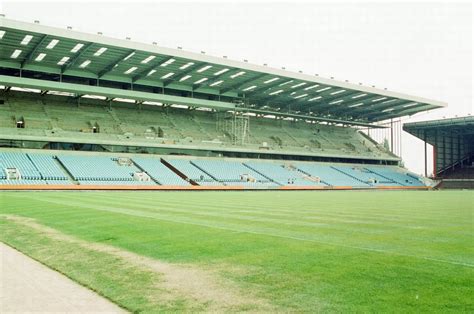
255	251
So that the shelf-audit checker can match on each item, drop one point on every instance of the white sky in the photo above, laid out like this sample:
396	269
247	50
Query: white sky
424	49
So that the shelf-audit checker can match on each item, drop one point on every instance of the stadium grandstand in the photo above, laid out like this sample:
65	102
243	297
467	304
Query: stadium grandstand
453	149
85	111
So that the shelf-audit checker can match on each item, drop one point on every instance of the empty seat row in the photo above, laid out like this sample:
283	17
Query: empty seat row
44	168
98	168
283	175
159	172
21	162
396	174
47	166
329	175
365	175
229	171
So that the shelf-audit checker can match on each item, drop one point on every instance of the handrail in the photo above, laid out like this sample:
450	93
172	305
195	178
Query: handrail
451	166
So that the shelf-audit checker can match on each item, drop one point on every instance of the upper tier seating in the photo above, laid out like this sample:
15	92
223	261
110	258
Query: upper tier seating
55	116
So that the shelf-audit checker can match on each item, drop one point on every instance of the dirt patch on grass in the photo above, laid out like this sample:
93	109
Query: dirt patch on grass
201	287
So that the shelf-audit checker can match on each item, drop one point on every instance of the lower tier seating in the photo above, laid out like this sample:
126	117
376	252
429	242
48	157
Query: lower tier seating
232	173
192	172
97	168
402	178
330	175
159	172
60	168
283	175
22	163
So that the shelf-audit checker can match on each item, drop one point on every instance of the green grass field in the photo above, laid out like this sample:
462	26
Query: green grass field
339	251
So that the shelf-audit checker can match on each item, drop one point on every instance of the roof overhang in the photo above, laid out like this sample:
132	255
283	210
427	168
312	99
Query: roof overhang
262	87
112	93
429	130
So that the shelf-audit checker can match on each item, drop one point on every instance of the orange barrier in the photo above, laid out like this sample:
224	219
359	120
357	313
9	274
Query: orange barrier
404	188
196	188
116	187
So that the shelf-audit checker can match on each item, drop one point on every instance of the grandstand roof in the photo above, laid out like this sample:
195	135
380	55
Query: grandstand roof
186	77
427	129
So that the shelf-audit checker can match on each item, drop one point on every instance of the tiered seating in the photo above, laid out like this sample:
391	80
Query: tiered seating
159	172
20	161
138	121
48	167
3	175
32	111
281	175
329	175
395	174
105	169
96	168
22	182
6	116
192	172
232	172
366	175
53	116
102	182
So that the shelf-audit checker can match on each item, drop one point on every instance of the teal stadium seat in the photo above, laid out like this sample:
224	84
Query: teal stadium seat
97	169
329	175
232	173
48	167
281	175
194	173
159	172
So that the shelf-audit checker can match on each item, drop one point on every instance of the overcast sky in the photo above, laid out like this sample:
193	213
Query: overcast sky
423	49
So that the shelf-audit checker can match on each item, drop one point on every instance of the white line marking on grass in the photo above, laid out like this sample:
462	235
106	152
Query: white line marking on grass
138	213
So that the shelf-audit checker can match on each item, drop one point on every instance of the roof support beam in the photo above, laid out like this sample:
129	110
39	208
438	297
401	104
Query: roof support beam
112	64
264	88
76	57
219	77
355	101
326	101
308	117
367	100
371	107
32	52
113	92
322	103
156	64
377	107
233	86
188	70
287	102
401	113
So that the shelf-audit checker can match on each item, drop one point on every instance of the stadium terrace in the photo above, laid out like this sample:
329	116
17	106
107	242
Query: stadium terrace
238	125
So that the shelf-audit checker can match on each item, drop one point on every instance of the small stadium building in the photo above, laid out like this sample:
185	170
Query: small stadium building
453	149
